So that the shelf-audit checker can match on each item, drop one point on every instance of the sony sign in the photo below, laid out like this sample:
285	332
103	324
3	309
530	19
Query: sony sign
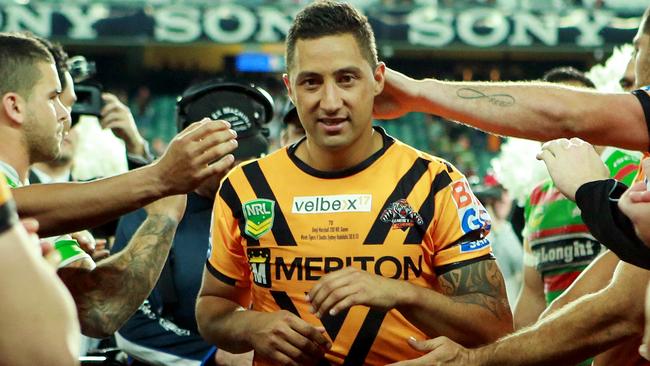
233	23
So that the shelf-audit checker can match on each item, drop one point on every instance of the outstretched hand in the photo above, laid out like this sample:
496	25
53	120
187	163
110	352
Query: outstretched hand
398	98
572	163
441	351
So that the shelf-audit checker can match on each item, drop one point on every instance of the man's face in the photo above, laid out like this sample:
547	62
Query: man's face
68	98
46	118
642	56
333	87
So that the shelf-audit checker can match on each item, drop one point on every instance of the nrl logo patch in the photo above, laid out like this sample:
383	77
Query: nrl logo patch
401	215
259	217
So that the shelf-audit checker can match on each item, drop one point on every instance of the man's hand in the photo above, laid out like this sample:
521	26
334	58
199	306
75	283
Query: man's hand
398	98
117	116
634	205
572	163
350	286
199	152
285	339
51	256
224	358
171	206
442	351
96	248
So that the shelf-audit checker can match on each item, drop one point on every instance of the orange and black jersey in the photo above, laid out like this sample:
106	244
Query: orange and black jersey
279	226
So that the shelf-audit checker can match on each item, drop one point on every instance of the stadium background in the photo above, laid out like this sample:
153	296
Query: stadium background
147	52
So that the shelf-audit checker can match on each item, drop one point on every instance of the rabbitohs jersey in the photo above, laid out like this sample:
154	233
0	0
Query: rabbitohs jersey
279	226
559	240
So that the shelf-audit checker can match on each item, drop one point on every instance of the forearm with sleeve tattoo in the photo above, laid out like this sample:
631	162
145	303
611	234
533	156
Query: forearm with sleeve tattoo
108	295
471	308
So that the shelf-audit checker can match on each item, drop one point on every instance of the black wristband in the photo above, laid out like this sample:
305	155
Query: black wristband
598	203
8	216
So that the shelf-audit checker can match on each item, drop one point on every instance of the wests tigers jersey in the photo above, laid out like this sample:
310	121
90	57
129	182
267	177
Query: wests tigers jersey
279	226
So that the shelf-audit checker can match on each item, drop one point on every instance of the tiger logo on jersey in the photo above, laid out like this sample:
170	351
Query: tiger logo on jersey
259	217
401	215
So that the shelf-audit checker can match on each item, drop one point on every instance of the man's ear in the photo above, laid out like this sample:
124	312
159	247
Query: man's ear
14	107
287	84
380	78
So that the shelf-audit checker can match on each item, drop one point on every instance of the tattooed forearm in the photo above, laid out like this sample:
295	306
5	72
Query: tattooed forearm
500	100
480	284
107	296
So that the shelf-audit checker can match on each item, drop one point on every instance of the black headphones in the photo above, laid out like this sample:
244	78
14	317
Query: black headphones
197	91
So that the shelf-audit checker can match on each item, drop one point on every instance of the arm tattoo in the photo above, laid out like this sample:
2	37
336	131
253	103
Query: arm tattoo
107	296
499	100
479	283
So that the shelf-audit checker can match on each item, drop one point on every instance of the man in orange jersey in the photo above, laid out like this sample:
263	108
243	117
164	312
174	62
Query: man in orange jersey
349	240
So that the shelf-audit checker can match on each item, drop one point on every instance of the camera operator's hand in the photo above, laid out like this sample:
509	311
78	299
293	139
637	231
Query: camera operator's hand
197	153
118	117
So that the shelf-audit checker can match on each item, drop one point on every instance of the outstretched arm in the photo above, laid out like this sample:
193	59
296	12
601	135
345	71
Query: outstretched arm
579	330
108	295
201	151
532	110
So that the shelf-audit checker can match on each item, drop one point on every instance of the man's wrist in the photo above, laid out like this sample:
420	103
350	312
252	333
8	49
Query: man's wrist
481	356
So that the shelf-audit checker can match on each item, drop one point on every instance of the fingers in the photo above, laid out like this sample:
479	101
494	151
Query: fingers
205	128
333	298
313	334
215	146
332	289
546	156
30	225
640	197
51	256
218	168
426	345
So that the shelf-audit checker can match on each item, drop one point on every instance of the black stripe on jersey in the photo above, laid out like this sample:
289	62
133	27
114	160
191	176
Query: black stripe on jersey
452	266
220	276
284	302
258	182
380	229
229	196
334	323
365	338
427	210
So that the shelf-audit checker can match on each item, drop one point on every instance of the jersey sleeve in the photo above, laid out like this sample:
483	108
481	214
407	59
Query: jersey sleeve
227	259
461	225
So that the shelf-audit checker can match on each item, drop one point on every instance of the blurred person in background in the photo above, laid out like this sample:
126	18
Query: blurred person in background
163	331
292	130
507	247
32	126
538	111
559	246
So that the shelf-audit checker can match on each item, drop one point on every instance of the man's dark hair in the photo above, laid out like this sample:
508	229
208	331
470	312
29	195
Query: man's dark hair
60	58
565	74
328	18
19	56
